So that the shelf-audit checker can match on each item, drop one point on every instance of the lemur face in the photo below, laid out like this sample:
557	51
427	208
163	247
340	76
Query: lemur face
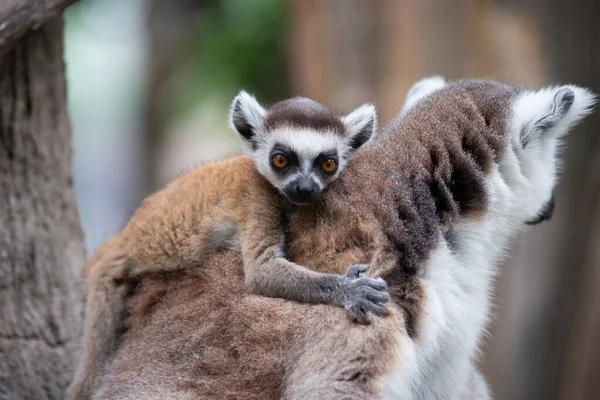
537	120
299	145
302	170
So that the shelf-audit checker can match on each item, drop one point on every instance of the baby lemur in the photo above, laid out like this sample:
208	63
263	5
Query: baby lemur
296	148
300	147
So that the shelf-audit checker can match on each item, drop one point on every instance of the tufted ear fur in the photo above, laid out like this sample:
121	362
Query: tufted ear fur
539	118
361	125
422	89
246	116
550	112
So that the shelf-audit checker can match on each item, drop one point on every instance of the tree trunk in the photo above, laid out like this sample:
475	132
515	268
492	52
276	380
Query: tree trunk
170	25
17	17
41	242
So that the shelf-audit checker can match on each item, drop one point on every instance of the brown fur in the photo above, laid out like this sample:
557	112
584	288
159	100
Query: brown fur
172	230
196	334
397	196
222	203
145	246
301	112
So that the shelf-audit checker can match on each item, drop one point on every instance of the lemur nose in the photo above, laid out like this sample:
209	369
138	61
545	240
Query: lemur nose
305	189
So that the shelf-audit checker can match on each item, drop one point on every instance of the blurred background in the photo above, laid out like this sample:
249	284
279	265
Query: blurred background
150	83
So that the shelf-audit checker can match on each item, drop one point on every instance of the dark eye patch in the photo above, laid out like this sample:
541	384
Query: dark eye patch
327	155
290	154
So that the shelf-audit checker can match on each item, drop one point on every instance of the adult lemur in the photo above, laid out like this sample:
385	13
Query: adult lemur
298	147
430	206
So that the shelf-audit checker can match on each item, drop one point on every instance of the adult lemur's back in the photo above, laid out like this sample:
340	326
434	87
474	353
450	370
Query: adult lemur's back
431	207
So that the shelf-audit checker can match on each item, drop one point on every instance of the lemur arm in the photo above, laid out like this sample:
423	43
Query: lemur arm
269	273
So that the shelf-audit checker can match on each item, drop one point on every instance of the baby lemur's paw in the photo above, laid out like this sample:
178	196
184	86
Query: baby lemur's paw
361	295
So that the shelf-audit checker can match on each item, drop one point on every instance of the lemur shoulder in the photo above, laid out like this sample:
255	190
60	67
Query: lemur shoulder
295	150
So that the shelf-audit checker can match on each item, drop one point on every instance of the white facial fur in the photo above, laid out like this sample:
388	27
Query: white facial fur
458	275
307	144
247	117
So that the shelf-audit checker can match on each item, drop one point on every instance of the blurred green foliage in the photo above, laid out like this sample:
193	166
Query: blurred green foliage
238	44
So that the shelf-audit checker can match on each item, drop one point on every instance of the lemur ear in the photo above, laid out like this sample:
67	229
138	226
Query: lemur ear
422	89
361	125
246	116
550	112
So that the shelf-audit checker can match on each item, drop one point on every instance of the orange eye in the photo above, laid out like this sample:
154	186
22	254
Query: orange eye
279	161
329	166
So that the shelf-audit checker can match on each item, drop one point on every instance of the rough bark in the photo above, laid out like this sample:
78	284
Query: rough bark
41	242
17	17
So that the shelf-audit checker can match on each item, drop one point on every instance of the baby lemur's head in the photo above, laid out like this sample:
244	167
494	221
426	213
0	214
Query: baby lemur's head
299	145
